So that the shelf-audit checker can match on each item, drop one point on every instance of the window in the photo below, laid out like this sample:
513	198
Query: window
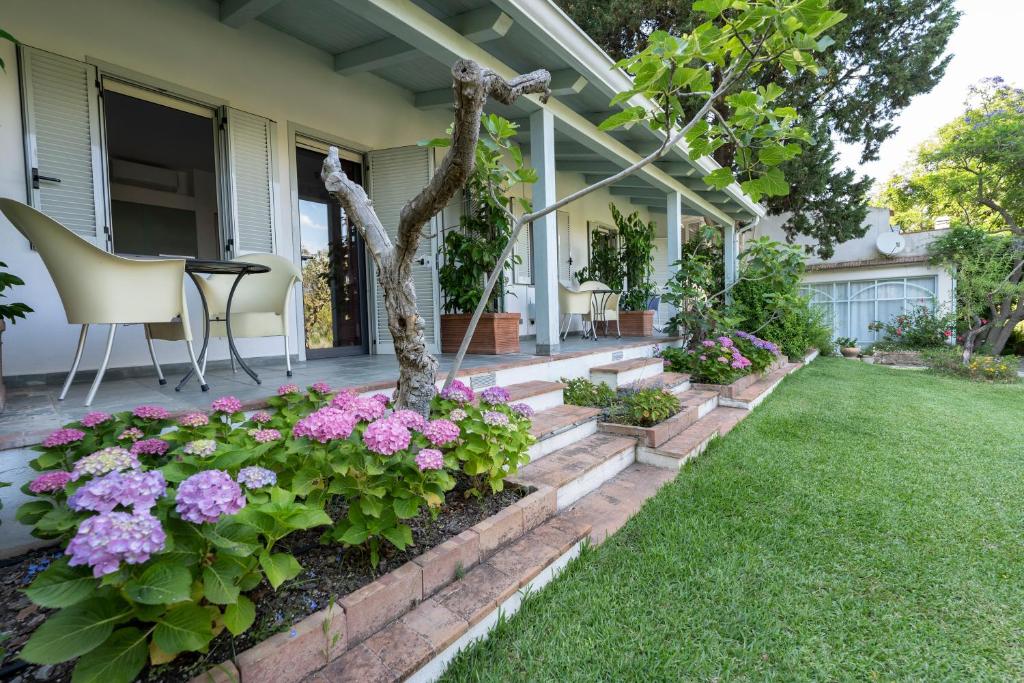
853	305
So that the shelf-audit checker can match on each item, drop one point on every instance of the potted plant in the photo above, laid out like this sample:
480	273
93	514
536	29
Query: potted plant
8	311
472	251
848	347
637	257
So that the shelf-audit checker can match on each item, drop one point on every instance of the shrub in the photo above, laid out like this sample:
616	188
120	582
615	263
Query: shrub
846	342
920	328
580	391
713	361
644	407
949	361
166	526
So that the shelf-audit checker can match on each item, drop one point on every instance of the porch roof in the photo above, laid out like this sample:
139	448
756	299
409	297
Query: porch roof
413	43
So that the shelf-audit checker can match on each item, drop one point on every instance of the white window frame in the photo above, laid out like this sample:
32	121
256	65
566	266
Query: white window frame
809	289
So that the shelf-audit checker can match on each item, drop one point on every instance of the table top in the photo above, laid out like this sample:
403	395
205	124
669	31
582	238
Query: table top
218	267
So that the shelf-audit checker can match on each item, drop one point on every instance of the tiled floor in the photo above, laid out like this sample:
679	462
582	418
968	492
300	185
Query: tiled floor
34	408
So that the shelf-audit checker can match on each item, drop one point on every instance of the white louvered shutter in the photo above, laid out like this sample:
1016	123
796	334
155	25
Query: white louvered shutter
251	181
523	248
62	141
396	176
564	252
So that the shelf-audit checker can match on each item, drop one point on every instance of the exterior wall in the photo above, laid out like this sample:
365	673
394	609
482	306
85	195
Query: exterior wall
182	42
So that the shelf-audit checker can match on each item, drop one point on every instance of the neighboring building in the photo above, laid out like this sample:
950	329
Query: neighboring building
197	128
874	277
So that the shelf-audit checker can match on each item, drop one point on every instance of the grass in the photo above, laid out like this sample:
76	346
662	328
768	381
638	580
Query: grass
863	524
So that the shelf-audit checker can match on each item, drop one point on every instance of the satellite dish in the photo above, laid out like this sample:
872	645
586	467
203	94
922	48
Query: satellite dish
890	243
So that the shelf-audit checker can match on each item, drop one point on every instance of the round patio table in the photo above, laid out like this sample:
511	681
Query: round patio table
197	267
599	298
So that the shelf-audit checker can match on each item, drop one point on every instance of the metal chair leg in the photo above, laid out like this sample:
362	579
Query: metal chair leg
287	357
195	365
232	357
74	364
156	363
618	330
103	366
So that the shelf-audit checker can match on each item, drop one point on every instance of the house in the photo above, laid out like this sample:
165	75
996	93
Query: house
196	128
873	277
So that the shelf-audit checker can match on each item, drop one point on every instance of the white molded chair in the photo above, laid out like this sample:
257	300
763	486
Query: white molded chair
259	309
610	313
98	288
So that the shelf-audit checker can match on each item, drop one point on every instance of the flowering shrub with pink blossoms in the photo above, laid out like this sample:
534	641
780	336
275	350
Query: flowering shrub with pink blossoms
168	522
724	359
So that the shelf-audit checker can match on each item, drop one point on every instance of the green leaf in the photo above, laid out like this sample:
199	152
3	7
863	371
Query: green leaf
183	629
61	585
118	660
240	616
219	582
75	630
33	511
371	506
400	536
279	567
720	178
622	118
163	583
354	535
711	7
407	507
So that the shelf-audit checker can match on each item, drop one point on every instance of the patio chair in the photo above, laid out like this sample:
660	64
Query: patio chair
570	303
99	288
610	313
259	309
654	304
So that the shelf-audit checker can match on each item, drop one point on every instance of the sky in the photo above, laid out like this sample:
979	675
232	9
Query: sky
988	42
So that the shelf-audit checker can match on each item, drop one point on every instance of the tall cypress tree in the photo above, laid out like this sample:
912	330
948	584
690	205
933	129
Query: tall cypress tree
886	51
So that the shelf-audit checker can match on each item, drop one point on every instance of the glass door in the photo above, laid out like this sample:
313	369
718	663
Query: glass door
333	264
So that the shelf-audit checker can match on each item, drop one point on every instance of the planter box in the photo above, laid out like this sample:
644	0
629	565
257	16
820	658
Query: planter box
652	437
497	333
912	358
631	324
729	390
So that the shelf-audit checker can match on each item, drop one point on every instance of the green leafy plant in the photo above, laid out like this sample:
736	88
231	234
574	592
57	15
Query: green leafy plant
696	289
4	35
921	327
580	391
644	407
846	342
637	257
605	263
11	311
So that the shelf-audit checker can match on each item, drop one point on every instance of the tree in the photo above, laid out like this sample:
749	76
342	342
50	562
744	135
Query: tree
885	52
973	171
704	68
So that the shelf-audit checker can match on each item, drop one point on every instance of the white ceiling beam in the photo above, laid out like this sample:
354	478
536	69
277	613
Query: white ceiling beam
442	98
235	13
566	82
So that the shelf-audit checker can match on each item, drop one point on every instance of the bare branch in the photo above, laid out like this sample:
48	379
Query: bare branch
357	206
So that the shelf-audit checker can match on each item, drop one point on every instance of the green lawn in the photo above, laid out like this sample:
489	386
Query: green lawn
863	524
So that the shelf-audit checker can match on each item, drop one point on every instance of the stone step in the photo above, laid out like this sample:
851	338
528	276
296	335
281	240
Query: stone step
676	382
701	401
560	426
614	502
537	394
627	372
752	396
576	470
692	441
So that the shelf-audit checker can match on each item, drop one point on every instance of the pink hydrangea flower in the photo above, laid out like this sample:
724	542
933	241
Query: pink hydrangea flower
381	399
48	482
429	459
265	435
131	434
286	389
205	497
522	410
320	387
151	413
227	404
495	419
150	447
707	343
457	415
343	399
194	420
458	392
63	437
256	477
110	459
325	424
725	341
95	418
261	417
201	447
410	418
441	432
495	395
137	490
105	540
365	408
386	436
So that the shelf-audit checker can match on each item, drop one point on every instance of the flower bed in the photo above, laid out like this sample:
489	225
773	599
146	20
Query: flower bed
181	538
643	413
727	364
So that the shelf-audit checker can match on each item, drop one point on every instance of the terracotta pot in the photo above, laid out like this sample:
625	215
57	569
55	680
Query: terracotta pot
495	334
636	323
850	351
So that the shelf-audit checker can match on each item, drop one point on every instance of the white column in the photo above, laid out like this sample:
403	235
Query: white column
674	225
731	247
545	232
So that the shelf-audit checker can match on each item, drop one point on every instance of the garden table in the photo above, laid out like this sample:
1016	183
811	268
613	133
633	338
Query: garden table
599	298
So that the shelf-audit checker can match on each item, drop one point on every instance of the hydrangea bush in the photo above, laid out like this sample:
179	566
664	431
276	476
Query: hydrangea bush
167	523
723	360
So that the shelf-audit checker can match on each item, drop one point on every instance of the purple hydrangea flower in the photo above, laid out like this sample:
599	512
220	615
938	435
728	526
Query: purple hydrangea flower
261	417
495	395
201	447
325	424
110	459
386	436
151	413
205	497
457	415
458	392
708	343
256	477
194	420
410	418
725	341
522	410
265	435
343	399
105	540
150	447
138	490
48	482
429	459
286	389
495	419
320	387
381	399
227	404
131	434
63	437
95	418
365	408
723	359
441	432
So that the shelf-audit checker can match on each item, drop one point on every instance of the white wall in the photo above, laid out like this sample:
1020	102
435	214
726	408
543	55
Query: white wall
181	42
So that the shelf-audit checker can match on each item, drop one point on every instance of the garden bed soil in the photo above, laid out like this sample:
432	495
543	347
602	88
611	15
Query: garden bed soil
329	573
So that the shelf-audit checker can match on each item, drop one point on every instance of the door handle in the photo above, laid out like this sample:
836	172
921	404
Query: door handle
36	178
421	261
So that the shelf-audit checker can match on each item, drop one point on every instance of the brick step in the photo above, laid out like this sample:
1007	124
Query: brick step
576	470
702	401
692	441
614	502
560	426
537	394
752	396
626	372
676	382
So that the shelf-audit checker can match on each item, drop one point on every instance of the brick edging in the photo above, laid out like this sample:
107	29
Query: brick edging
652	437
